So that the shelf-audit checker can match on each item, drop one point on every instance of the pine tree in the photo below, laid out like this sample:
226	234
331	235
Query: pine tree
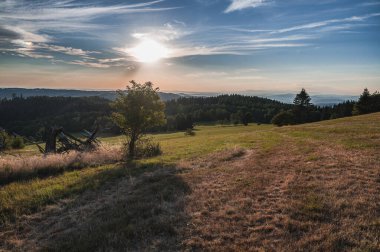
302	99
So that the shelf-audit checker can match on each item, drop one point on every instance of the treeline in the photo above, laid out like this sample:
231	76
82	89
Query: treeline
224	109
303	111
31	116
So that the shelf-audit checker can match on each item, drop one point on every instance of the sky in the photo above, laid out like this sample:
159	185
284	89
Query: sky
325	46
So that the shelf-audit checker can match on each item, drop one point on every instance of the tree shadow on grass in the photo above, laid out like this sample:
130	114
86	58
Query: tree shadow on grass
144	212
8	176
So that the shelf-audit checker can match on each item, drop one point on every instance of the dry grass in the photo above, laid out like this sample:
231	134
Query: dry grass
139	213
302	188
15	168
281	201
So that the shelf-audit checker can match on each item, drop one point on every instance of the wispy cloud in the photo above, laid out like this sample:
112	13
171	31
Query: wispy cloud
241	74
169	32
244	4
88	64
23	10
34	29
28	28
326	23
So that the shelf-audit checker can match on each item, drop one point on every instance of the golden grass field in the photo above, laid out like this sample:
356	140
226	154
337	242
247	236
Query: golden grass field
311	187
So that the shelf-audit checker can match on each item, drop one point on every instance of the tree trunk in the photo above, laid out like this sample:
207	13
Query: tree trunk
132	146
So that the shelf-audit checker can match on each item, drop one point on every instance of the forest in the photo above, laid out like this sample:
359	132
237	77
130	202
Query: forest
31	116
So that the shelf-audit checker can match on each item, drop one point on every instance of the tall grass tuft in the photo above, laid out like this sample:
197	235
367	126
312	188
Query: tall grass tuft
14	168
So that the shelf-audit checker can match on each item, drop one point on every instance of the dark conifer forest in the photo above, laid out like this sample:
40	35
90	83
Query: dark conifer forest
32	115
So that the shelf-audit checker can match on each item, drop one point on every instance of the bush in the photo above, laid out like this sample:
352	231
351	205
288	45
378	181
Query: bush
18	143
189	132
5	140
284	118
145	148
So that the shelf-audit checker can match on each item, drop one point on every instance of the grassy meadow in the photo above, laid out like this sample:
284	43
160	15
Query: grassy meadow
311	187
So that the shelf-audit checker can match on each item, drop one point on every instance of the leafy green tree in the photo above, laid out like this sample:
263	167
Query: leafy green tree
283	118
138	109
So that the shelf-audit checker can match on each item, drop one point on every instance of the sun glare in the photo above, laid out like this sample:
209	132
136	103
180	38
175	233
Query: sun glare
149	51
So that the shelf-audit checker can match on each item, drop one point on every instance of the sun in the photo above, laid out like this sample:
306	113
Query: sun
149	51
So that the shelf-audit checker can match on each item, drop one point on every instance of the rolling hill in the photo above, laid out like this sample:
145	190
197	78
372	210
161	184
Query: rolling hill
311	187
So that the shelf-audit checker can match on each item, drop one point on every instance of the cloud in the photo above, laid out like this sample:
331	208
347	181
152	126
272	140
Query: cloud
218	42
169	32
243	4
25	35
326	23
88	64
230	49
8	34
67	10
25	49
42	50
65	50
34	28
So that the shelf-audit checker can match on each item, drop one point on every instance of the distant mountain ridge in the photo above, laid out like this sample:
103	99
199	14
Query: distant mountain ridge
320	99
10	92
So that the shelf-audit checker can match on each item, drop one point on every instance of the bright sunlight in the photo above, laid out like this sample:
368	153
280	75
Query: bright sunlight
149	51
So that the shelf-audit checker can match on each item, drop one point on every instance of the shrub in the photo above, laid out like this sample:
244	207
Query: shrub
18	143
283	118
5	140
145	147
189	132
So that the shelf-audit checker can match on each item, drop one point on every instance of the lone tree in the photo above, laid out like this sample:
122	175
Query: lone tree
302	107
300	113
364	103
136	110
302	99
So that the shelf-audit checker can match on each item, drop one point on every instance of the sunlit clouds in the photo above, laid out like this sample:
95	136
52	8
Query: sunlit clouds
175	43
148	51
243	4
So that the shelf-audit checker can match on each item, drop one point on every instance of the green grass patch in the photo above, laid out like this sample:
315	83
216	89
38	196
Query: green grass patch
28	197
19	198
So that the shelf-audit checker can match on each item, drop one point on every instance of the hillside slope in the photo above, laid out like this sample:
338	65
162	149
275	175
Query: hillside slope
312	187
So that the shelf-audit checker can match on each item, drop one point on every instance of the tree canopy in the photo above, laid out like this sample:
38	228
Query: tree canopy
138	109
302	99
367	103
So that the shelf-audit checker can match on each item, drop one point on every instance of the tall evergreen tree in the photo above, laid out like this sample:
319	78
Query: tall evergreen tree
302	107
302	99
363	106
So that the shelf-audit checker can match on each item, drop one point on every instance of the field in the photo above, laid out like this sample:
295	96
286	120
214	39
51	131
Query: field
311	187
